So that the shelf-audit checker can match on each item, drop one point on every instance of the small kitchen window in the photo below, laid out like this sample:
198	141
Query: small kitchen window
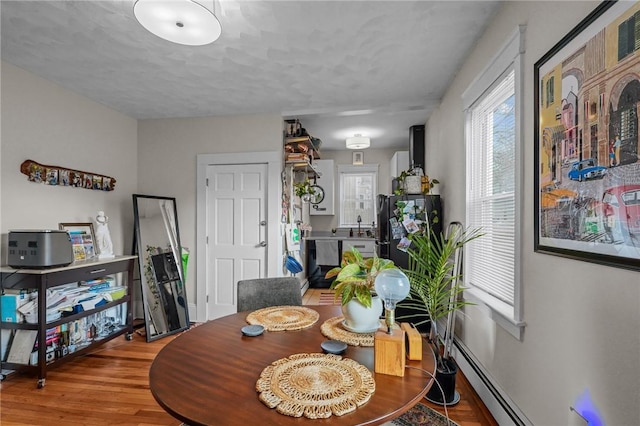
358	189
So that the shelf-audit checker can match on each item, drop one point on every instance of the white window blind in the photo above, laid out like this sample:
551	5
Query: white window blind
491	184
358	186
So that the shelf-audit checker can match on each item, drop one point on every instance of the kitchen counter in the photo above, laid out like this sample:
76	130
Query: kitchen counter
339	237
324	252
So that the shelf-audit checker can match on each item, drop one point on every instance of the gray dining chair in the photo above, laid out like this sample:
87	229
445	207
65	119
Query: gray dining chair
264	292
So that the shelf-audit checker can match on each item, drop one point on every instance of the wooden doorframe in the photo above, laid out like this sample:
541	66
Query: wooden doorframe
273	160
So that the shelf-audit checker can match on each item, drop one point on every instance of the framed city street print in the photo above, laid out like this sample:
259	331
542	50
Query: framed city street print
587	168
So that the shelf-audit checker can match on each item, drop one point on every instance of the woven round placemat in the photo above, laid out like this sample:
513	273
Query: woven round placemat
282	318
333	329
315	385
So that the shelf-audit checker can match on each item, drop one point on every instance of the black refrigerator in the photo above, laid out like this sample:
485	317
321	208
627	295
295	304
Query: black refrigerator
392	233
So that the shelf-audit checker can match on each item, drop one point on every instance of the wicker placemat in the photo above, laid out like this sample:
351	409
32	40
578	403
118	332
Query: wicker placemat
315	385
333	329
282	318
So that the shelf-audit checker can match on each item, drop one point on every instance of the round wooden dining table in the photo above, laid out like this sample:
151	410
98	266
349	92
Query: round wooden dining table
208	375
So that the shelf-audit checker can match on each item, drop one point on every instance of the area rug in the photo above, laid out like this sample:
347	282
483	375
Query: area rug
421	415
328	298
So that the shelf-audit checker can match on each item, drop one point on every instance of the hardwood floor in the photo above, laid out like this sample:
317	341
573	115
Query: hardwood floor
110	387
107	387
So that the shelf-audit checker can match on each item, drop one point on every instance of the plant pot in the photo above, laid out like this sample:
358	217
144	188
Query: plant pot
360	319
447	380
413	184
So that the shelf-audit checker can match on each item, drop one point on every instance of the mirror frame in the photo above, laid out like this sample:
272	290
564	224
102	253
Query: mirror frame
143	269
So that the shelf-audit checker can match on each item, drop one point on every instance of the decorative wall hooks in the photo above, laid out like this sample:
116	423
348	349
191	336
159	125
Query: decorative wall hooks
55	175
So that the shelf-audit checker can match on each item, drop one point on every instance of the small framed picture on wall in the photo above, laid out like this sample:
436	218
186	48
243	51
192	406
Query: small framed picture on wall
358	158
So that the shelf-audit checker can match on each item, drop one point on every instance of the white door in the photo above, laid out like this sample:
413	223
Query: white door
236	232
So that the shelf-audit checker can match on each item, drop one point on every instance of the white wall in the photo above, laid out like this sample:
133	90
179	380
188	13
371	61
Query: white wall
50	125
167	152
582	319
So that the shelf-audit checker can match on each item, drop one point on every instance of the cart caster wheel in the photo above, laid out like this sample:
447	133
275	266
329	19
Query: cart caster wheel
128	336
41	383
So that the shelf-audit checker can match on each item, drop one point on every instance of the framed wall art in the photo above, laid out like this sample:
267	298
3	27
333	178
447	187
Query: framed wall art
587	144
61	176
358	158
82	239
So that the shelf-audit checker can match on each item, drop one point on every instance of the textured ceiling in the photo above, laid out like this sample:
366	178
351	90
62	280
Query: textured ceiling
342	67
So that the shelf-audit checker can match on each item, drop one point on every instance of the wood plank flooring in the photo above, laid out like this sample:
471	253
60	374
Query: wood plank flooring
110	387
107	387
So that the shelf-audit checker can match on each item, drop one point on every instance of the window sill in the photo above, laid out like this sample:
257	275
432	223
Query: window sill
501	313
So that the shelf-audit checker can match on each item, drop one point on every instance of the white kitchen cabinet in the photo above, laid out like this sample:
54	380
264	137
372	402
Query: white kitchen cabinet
399	163
326	180
366	247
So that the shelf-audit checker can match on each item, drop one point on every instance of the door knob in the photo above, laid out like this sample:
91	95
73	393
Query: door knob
263	243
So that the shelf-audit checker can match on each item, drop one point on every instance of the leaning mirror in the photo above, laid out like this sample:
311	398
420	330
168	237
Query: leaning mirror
157	243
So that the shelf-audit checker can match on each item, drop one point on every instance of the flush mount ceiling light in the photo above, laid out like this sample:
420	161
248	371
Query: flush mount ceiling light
179	21
358	142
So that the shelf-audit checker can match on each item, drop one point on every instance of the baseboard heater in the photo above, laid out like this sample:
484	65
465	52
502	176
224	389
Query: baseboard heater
498	403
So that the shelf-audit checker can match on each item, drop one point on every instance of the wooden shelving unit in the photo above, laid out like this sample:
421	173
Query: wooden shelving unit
300	152
301	145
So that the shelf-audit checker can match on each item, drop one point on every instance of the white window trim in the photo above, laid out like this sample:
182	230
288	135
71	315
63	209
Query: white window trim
511	55
365	168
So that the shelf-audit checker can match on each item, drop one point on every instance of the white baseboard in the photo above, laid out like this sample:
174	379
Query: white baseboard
193	312
304	286
502	408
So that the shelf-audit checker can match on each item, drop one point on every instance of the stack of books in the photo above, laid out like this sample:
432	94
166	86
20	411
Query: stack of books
297	156
73	298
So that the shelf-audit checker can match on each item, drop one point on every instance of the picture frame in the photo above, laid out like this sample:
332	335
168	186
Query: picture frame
586	141
83	239
358	158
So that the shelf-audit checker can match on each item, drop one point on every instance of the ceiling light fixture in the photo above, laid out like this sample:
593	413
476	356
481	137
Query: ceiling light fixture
179	21
358	142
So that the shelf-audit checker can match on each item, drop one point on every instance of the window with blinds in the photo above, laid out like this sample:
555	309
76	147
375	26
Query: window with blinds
358	188
493	126
491	159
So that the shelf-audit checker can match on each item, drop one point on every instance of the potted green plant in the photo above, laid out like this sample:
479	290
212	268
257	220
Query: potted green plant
413	181
304	190
405	175
354	284
435	273
431	183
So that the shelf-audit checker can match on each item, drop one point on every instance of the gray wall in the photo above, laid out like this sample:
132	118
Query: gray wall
382	157
582	319
168	150
48	124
